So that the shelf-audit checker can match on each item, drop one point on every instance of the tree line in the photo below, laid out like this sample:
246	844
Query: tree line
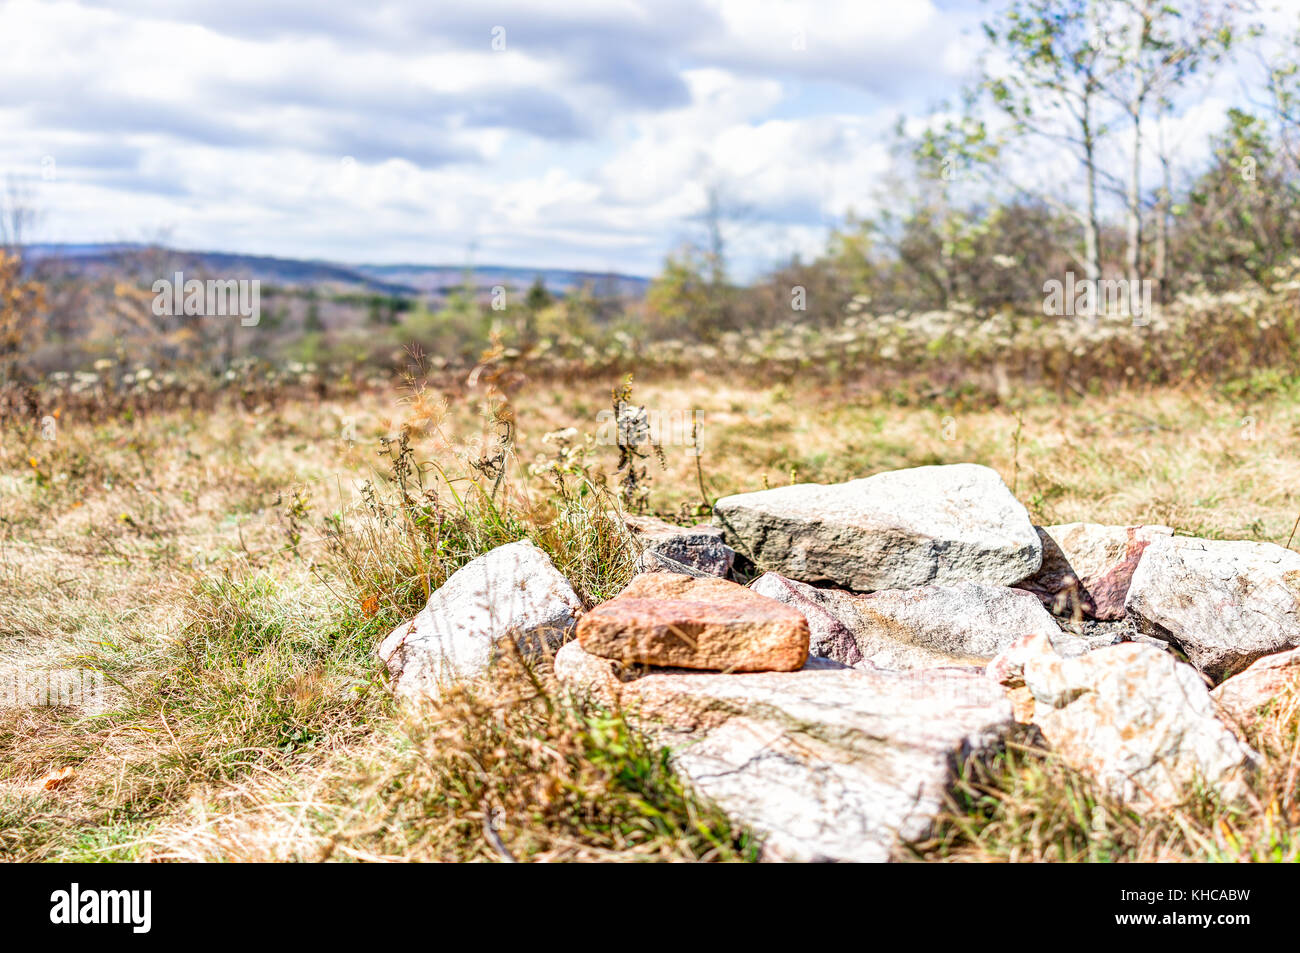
1064	154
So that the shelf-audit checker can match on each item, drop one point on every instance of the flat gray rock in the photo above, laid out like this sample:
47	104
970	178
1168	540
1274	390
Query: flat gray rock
963	624
513	593
699	547
651	561
825	763
1224	603
932	525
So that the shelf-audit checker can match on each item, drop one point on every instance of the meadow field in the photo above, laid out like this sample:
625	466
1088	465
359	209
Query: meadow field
227	572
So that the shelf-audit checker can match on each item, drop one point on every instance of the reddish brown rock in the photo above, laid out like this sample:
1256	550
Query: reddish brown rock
1088	567
686	622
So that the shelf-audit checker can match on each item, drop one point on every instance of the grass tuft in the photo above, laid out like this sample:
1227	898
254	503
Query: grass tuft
515	768
1026	804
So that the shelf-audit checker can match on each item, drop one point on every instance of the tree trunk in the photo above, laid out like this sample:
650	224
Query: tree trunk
1091	224
1133	253
1137	102
1161	264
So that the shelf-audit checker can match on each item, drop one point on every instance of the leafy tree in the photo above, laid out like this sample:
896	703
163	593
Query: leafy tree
538	297
312	323
381	310
1242	220
21	301
1284	96
1150	49
680	297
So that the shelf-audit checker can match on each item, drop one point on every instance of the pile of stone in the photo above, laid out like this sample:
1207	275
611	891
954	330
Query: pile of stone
901	624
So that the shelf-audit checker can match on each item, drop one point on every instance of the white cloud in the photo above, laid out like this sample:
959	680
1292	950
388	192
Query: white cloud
589	141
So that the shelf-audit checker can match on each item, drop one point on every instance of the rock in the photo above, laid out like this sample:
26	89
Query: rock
895	530
824	763
965	624
1008	670
512	592
604	678
700	547
701	623
829	636
1022	703
1077	638
590	675
1244	697
1137	720
903	629
1008	667
1224	603
1087	567
650	561
1098	633
1152	641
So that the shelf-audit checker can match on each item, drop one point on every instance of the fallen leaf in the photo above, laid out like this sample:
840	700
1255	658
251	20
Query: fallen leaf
56	779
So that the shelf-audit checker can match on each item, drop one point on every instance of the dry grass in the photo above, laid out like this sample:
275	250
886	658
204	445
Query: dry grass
1027	805
509	768
231	572
1206	462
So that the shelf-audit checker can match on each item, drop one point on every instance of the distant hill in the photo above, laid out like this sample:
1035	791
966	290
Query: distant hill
423	281
435	278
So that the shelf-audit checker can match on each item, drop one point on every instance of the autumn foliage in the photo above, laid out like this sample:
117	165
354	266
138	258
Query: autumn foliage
21	303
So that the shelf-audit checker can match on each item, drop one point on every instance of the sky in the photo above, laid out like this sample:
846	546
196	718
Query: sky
566	133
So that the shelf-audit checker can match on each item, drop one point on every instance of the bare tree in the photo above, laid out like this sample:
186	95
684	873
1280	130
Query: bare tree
21	298
17	218
1283	71
1048	83
1149	51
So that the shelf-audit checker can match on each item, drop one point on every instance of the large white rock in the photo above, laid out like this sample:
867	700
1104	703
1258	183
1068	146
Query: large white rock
1224	603
826	763
1138	720
964	624
895	530
513	592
